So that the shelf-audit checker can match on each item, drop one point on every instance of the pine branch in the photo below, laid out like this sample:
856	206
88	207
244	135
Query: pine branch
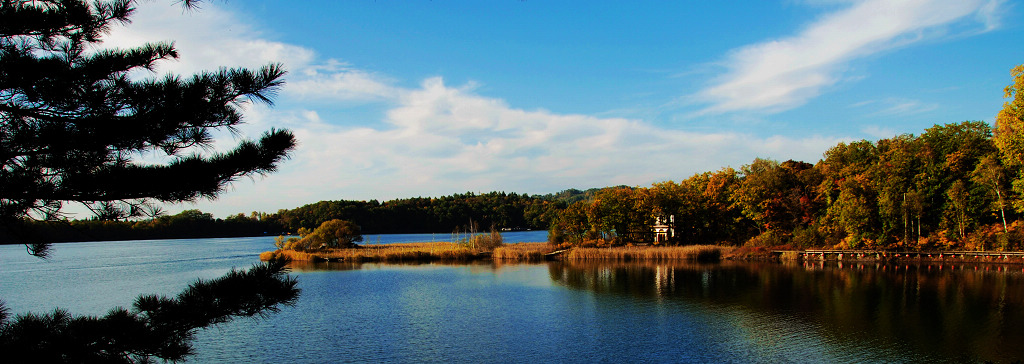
157	326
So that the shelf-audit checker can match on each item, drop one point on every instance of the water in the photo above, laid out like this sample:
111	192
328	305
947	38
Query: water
554	312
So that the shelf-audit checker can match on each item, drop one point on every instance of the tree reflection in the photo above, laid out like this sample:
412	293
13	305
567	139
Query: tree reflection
961	312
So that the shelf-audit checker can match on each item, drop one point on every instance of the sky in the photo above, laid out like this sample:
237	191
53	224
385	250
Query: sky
415	98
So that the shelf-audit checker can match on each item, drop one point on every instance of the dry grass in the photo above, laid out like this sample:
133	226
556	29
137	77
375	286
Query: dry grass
704	253
522	252
409	252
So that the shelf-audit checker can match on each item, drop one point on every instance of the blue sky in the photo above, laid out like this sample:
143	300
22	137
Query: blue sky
395	99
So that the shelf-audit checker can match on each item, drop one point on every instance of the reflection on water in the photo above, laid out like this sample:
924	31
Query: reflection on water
555	312
310	267
959	312
305	266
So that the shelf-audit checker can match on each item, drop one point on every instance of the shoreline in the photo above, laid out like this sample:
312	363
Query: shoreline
878	256
517	252
538	252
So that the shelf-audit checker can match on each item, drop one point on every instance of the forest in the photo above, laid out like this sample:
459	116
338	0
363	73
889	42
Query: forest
957	186
947	188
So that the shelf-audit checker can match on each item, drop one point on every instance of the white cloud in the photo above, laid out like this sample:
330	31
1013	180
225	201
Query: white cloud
441	140
879	132
337	81
895	106
433	139
899	107
206	39
781	74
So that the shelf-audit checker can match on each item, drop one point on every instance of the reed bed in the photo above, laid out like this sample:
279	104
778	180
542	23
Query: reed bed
521	252
408	252
703	253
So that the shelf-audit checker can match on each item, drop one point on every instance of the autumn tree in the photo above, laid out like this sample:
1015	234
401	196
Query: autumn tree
722	218
332	234
777	197
572	225
701	207
1009	132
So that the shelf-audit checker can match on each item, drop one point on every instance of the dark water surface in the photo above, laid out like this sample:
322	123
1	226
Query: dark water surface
555	312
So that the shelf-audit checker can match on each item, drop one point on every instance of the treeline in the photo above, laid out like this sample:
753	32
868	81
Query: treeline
459	212
948	188
445	214
419	215
187	224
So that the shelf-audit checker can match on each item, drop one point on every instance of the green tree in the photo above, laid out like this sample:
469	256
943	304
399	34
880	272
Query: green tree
959	201
675	203
572	225
758	192
895	176
71	121
849	193
952	152
624	213
990	173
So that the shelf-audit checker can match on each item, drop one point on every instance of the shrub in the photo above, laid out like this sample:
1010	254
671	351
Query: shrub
992	237
767	239
806	237
484	242
332	234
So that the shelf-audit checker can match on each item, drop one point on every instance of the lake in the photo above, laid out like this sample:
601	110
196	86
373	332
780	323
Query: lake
554	312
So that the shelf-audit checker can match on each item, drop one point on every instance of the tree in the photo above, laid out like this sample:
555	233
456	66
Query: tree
777	196
958	197
847	186
700	207
1008	133
952	153
572	225
1009	129
894	176
72	121
155	326
989	173
624	213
